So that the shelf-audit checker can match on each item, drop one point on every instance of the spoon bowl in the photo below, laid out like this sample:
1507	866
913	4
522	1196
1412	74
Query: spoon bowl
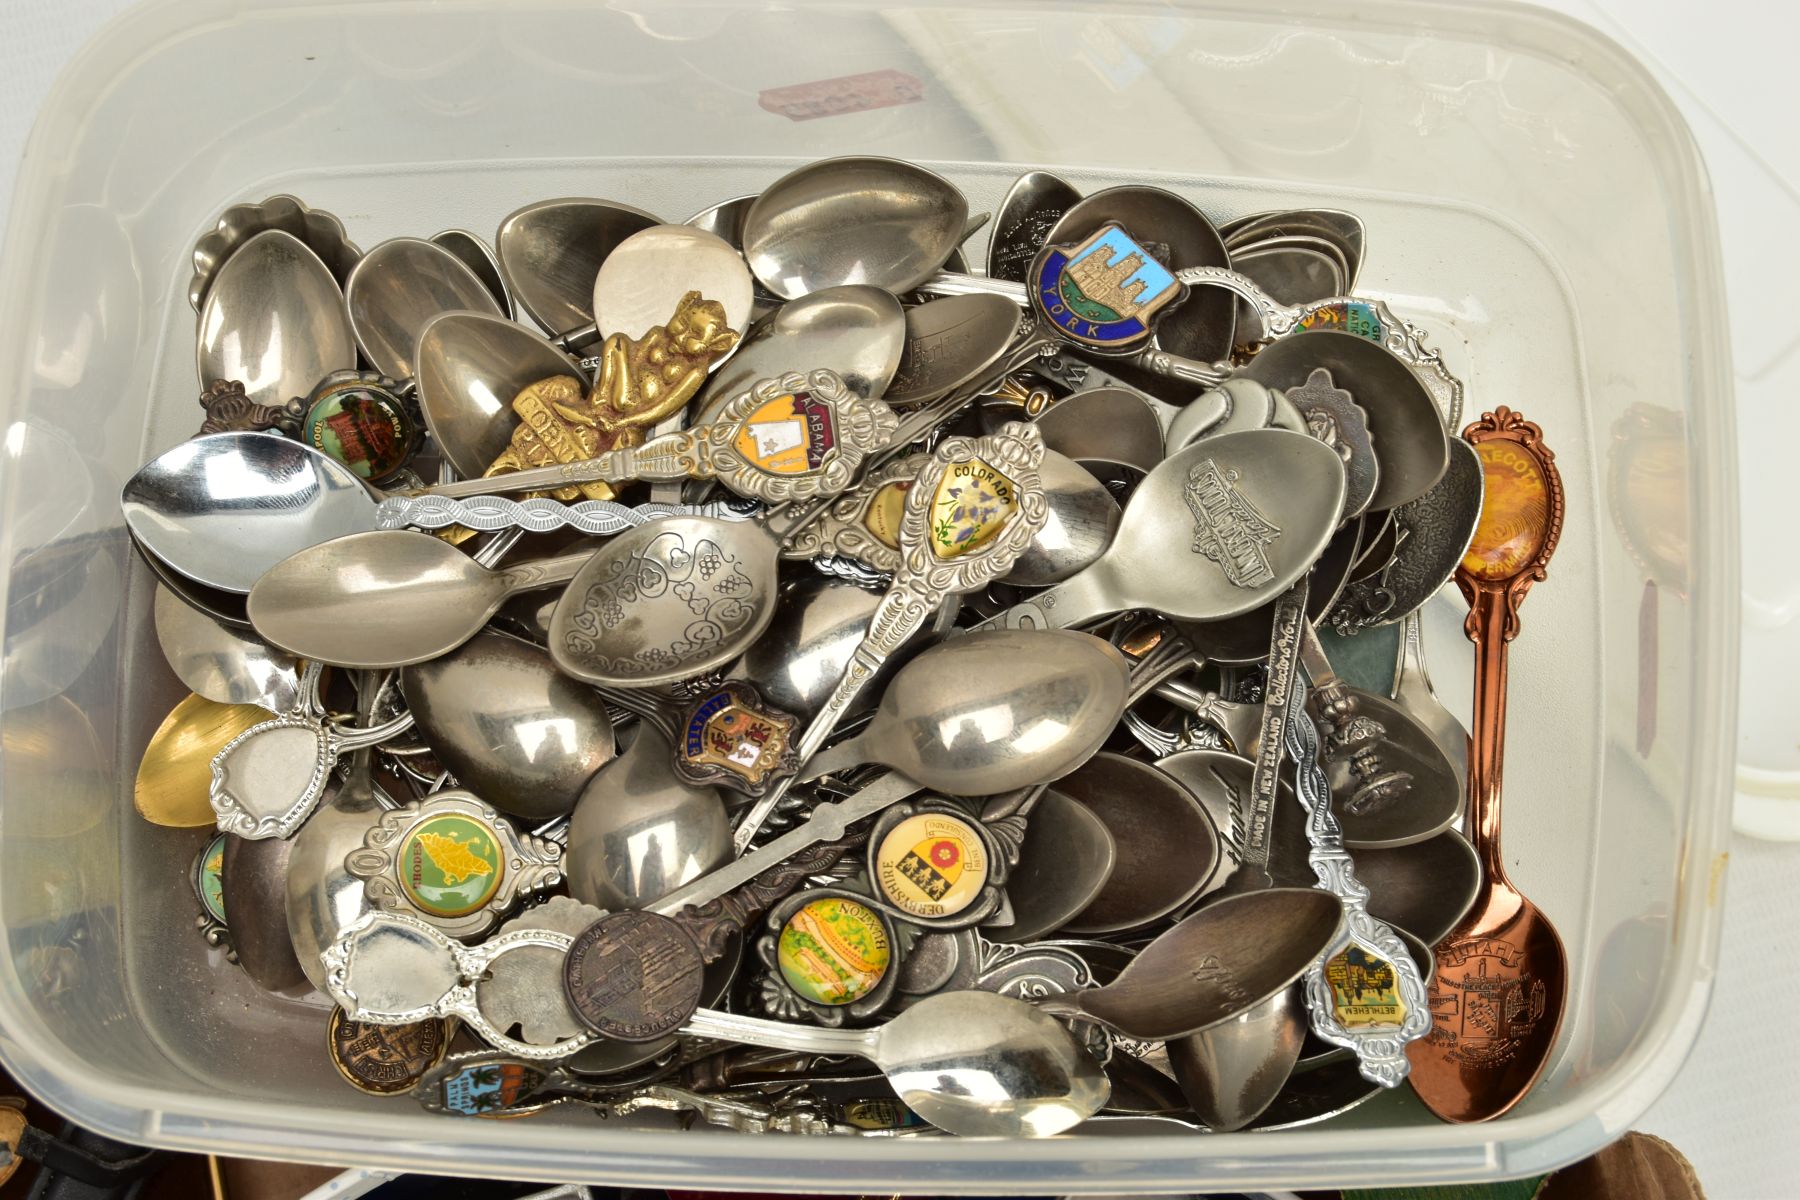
274	320
1032	207
470	367
798	660
1082	522
1067	857
854	330
387	598
1224	960
254	885
395	291
877	221
1159	829
221	663
175	772
665	601
973	1063
952	342
551	251
992	711
639	831
499	716
224	508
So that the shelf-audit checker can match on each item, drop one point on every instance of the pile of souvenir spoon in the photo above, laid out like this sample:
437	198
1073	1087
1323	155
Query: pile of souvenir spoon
810	686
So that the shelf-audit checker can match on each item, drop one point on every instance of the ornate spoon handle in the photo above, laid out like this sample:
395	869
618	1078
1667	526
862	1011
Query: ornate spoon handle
1364	991
599	518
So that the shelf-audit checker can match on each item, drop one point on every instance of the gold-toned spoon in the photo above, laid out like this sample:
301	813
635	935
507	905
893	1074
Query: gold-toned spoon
176	771
1501	984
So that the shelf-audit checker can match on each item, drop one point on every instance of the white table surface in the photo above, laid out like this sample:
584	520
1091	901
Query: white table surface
1733	1109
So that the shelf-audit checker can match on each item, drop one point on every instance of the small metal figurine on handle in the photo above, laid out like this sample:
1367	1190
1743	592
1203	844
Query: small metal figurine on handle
1502	974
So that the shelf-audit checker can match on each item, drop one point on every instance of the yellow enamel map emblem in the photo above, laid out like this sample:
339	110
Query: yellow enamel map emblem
974	501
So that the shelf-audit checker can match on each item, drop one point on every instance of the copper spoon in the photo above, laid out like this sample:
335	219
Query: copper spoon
1501	984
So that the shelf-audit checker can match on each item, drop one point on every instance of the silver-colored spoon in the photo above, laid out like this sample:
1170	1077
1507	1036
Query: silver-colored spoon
1413	693
515	731
1031	209
938	719
397	288
639	831
550	254
274	320
973	1063
221	663
877	221
1423	888
254	887
471	366
480	258
855	330
1224	960
389	597
224	508
951	342
1215	530
725	219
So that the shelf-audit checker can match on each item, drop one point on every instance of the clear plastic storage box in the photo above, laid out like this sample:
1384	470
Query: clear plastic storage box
1533	203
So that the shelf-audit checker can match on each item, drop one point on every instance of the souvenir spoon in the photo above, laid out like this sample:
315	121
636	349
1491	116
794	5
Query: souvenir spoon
1066	859
793	437
951	342
499	716
967	516
470	367
253	879
321	231
638	976
176	765
1403	422
726	220
1502	980
1390	784
397	288
1031	209
390	597
877	221
1251	510
551	252
480	258
973	1063
1057	727
273	320
856	331
798	660
223	664
1342	230
1158	828
1233	1071
1225	959
221	510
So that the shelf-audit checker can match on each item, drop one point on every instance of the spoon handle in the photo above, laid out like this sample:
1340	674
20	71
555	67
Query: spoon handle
1081	598
780	1035
548	572
827	822
1521	520
673	456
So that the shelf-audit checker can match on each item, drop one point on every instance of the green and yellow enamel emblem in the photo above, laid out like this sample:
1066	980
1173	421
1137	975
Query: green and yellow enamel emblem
450	864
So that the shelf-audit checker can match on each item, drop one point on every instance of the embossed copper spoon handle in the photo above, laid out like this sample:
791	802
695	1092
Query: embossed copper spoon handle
1502	974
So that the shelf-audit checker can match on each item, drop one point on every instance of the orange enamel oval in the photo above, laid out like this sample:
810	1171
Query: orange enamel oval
1515	512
